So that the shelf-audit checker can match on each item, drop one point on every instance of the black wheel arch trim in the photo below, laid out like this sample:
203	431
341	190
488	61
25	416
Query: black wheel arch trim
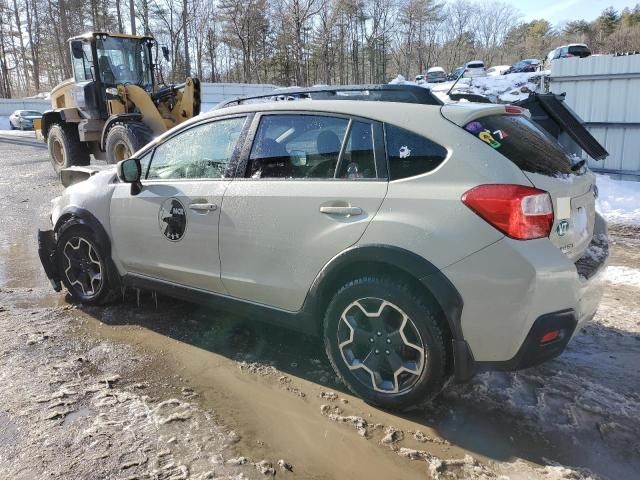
117	118
422	270
75	216
49	118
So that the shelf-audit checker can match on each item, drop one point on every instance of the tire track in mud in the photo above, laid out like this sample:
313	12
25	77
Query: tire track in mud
74	413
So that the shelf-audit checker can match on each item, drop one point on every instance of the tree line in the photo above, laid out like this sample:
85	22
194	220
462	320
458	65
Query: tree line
293	42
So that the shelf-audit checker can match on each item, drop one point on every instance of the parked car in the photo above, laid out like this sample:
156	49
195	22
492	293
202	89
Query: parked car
420	79
23	119
474	68
455	73
497	70
567	51
436	75
527	65
350	220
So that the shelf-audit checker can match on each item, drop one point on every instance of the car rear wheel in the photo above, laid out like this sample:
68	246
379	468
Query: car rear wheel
65	147
385	343
83	267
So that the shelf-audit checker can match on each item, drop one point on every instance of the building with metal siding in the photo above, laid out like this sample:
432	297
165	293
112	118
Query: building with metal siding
604	90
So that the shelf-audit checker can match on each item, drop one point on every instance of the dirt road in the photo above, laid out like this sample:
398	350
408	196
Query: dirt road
177	391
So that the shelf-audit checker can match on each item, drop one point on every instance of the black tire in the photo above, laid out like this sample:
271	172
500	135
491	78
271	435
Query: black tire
11	127
65	147
124	139
427	373
78	271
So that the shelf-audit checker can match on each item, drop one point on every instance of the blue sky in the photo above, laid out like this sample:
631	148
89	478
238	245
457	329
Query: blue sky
560	11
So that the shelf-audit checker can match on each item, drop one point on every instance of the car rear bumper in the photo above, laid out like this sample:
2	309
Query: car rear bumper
47	253
513	290
534	350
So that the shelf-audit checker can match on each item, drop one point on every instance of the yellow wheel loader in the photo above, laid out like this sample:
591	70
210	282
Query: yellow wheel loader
112	106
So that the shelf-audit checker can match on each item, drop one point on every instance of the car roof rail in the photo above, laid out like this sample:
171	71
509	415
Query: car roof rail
372	92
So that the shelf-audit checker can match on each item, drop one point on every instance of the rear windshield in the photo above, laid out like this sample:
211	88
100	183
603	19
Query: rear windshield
579	51
524	143
475	65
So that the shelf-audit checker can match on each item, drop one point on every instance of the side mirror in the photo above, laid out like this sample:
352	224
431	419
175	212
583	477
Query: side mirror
130	171
76	50
165	52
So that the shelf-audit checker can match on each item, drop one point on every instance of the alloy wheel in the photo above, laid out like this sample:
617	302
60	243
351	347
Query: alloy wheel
381	345
121	152
58	152
83	266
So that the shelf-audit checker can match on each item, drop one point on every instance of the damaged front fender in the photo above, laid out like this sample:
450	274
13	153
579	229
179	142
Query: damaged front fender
72	175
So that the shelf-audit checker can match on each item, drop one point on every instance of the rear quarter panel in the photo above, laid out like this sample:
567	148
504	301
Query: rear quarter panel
425	213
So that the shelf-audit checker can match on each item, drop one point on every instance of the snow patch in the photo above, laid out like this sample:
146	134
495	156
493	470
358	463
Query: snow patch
618	200
623	276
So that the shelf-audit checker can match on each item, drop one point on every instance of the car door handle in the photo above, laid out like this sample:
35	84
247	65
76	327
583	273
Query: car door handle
343	211
203	207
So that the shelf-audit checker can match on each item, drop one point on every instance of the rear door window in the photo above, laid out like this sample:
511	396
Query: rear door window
523	142
411	154
297	146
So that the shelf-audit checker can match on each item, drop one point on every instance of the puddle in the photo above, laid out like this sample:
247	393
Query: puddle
71	417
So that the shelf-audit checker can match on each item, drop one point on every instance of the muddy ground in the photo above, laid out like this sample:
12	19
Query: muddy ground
177	391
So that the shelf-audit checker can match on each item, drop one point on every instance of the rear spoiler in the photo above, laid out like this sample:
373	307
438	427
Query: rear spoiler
72	175
551	112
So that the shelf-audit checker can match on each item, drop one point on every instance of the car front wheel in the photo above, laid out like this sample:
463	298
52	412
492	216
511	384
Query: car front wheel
385	343
83	267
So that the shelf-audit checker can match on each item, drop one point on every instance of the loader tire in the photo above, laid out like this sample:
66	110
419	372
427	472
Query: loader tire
124	139
65	147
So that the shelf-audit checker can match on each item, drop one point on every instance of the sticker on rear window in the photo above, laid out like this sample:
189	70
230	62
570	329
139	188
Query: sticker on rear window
404	152
486	137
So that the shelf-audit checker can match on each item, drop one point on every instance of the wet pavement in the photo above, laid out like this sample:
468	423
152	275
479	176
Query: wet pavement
174	390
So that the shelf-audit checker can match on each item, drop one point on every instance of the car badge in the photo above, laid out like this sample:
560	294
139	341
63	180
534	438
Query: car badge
562	228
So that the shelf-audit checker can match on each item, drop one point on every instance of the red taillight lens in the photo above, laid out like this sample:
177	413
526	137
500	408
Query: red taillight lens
513	110
520	212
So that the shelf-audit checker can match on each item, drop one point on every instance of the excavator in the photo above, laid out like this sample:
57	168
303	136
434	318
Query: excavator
113	105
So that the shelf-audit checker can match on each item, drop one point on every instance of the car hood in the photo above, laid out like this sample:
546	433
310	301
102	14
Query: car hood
90	173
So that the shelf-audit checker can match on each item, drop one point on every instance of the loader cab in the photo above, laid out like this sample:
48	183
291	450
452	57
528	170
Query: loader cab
101	62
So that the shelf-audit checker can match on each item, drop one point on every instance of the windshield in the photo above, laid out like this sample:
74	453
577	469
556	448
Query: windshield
30	113
579	51
124	60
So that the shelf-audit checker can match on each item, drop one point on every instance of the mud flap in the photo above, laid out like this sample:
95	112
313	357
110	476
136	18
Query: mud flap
47	253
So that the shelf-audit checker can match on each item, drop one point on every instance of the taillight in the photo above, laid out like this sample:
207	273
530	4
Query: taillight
513	110
520	212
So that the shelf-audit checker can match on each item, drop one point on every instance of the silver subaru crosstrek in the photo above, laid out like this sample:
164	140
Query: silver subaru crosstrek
420	242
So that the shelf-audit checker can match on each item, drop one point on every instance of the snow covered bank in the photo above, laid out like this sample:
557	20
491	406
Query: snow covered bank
500	89
619	200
